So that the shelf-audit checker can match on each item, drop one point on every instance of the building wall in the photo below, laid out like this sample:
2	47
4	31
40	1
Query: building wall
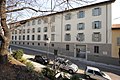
60	22
115	46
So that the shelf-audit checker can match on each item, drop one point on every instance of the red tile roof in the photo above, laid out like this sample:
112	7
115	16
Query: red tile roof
116	26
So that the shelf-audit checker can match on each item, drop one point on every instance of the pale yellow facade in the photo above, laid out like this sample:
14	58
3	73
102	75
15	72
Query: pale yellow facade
115	36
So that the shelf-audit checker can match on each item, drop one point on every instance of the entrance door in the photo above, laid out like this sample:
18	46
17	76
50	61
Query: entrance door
81	50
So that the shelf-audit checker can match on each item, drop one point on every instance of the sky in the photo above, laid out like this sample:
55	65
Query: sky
116	12
29	13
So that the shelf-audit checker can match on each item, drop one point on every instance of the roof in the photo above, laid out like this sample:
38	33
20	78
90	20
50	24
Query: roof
93	68
86	6
115	26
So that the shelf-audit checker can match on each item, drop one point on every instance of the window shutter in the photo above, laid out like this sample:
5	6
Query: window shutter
99	38
78	15
100	25
93	12
99	11
93	25
93	36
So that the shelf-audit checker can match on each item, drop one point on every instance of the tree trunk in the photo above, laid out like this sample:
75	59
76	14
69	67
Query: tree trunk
5	34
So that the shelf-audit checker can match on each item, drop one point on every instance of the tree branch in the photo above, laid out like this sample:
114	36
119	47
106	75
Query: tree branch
15	10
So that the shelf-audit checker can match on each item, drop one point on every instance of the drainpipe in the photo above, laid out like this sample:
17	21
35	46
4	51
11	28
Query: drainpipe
106	25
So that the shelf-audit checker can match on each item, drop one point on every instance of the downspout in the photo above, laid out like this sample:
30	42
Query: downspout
106	25
61	28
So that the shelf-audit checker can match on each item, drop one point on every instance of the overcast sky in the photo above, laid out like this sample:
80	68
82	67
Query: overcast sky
116	12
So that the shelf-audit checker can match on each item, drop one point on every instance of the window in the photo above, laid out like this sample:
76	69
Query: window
118	41
45	37
33	22
53	29
53	19
68	16
15	31
33	30
12	37
39	21
45	44
80	26
28	43
20	31
45	29
38	44
28	23
96	37
28	37
81	14
96	49
45	20
23	30
32	43
39	37
67	47
15	37
80	37
96	24
52	37
28	30
67	27
33	37
19	37
38	30
52	45
96	11
67	37
23	37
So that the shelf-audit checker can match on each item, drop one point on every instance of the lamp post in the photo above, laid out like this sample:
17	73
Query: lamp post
48	42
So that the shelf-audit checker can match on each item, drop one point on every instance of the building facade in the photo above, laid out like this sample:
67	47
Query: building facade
116	40
72	32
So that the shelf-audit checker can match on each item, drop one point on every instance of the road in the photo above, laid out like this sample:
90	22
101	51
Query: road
113	73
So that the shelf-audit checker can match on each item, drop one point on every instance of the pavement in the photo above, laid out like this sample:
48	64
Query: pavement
81	60
38	67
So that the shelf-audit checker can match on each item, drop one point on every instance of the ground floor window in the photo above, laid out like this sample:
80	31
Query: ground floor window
67	47
96	49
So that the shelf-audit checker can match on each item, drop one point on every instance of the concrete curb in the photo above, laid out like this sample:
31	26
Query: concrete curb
102	65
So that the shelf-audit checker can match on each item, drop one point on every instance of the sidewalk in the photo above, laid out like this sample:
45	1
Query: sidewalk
102	65
37	66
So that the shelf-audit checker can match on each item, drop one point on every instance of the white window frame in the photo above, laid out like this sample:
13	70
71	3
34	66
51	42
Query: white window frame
39	29
33	22
68	16
67	27
80	26
118	40
67	37
81	14
96	11
80	37
96	37
97	25
52	37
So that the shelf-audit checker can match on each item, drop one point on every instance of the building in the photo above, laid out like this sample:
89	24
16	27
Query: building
115	40
72	32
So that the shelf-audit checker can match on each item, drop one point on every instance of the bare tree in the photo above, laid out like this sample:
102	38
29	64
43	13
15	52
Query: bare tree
9	9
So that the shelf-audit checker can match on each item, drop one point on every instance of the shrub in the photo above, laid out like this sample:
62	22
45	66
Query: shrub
18	54
48	73
75	77
23	60
30	66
